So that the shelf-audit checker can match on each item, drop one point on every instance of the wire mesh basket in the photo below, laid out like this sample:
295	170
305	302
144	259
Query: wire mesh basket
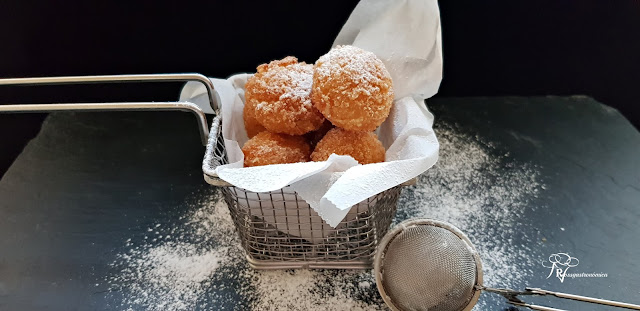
279	230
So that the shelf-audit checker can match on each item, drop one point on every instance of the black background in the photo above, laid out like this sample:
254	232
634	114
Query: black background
490	47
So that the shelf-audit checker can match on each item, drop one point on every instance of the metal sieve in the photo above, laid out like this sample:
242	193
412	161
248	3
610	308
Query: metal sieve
426	264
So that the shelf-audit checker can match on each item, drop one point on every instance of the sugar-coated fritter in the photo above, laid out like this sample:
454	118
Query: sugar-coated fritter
352	88
315	136
363	146
271	148
279	94
251	125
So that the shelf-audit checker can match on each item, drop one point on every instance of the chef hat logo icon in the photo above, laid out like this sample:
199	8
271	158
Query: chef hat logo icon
559	263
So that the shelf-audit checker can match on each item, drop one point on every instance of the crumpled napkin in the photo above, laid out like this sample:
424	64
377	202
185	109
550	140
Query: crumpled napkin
405	35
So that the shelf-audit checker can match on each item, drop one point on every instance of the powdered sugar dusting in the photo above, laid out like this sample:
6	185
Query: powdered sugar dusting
200	265
294	85
363	67
314	290
279	94
485	195
170	268
352	88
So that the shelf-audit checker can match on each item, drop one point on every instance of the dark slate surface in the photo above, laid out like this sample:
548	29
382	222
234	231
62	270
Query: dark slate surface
90	181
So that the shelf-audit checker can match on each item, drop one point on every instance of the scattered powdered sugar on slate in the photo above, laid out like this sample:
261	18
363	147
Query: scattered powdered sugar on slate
315	290
198	263
171	268
484	194
207	270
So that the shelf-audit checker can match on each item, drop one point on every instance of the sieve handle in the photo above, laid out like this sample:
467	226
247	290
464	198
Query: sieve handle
512	297
534	307
542	292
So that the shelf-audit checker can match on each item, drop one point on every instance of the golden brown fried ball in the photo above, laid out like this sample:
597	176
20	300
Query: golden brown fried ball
279	94
315	136
352	88
251	125
361	145
271	148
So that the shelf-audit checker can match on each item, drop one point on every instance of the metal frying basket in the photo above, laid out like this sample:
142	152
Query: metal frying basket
277	229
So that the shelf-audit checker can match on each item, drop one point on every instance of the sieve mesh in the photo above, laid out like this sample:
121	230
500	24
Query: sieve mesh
426	267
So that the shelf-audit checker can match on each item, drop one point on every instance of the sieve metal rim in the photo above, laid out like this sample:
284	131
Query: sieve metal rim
384	243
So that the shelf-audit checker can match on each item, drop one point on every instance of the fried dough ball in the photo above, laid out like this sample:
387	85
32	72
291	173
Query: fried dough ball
362	146
270	148
352	88
279	94
251	125
315	136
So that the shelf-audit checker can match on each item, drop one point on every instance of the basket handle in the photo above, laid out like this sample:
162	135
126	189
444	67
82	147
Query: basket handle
215	155
199	112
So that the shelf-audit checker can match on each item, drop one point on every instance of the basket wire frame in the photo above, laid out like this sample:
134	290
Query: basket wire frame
279	230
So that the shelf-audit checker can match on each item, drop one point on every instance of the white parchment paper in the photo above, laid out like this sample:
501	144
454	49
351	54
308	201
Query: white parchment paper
405	35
